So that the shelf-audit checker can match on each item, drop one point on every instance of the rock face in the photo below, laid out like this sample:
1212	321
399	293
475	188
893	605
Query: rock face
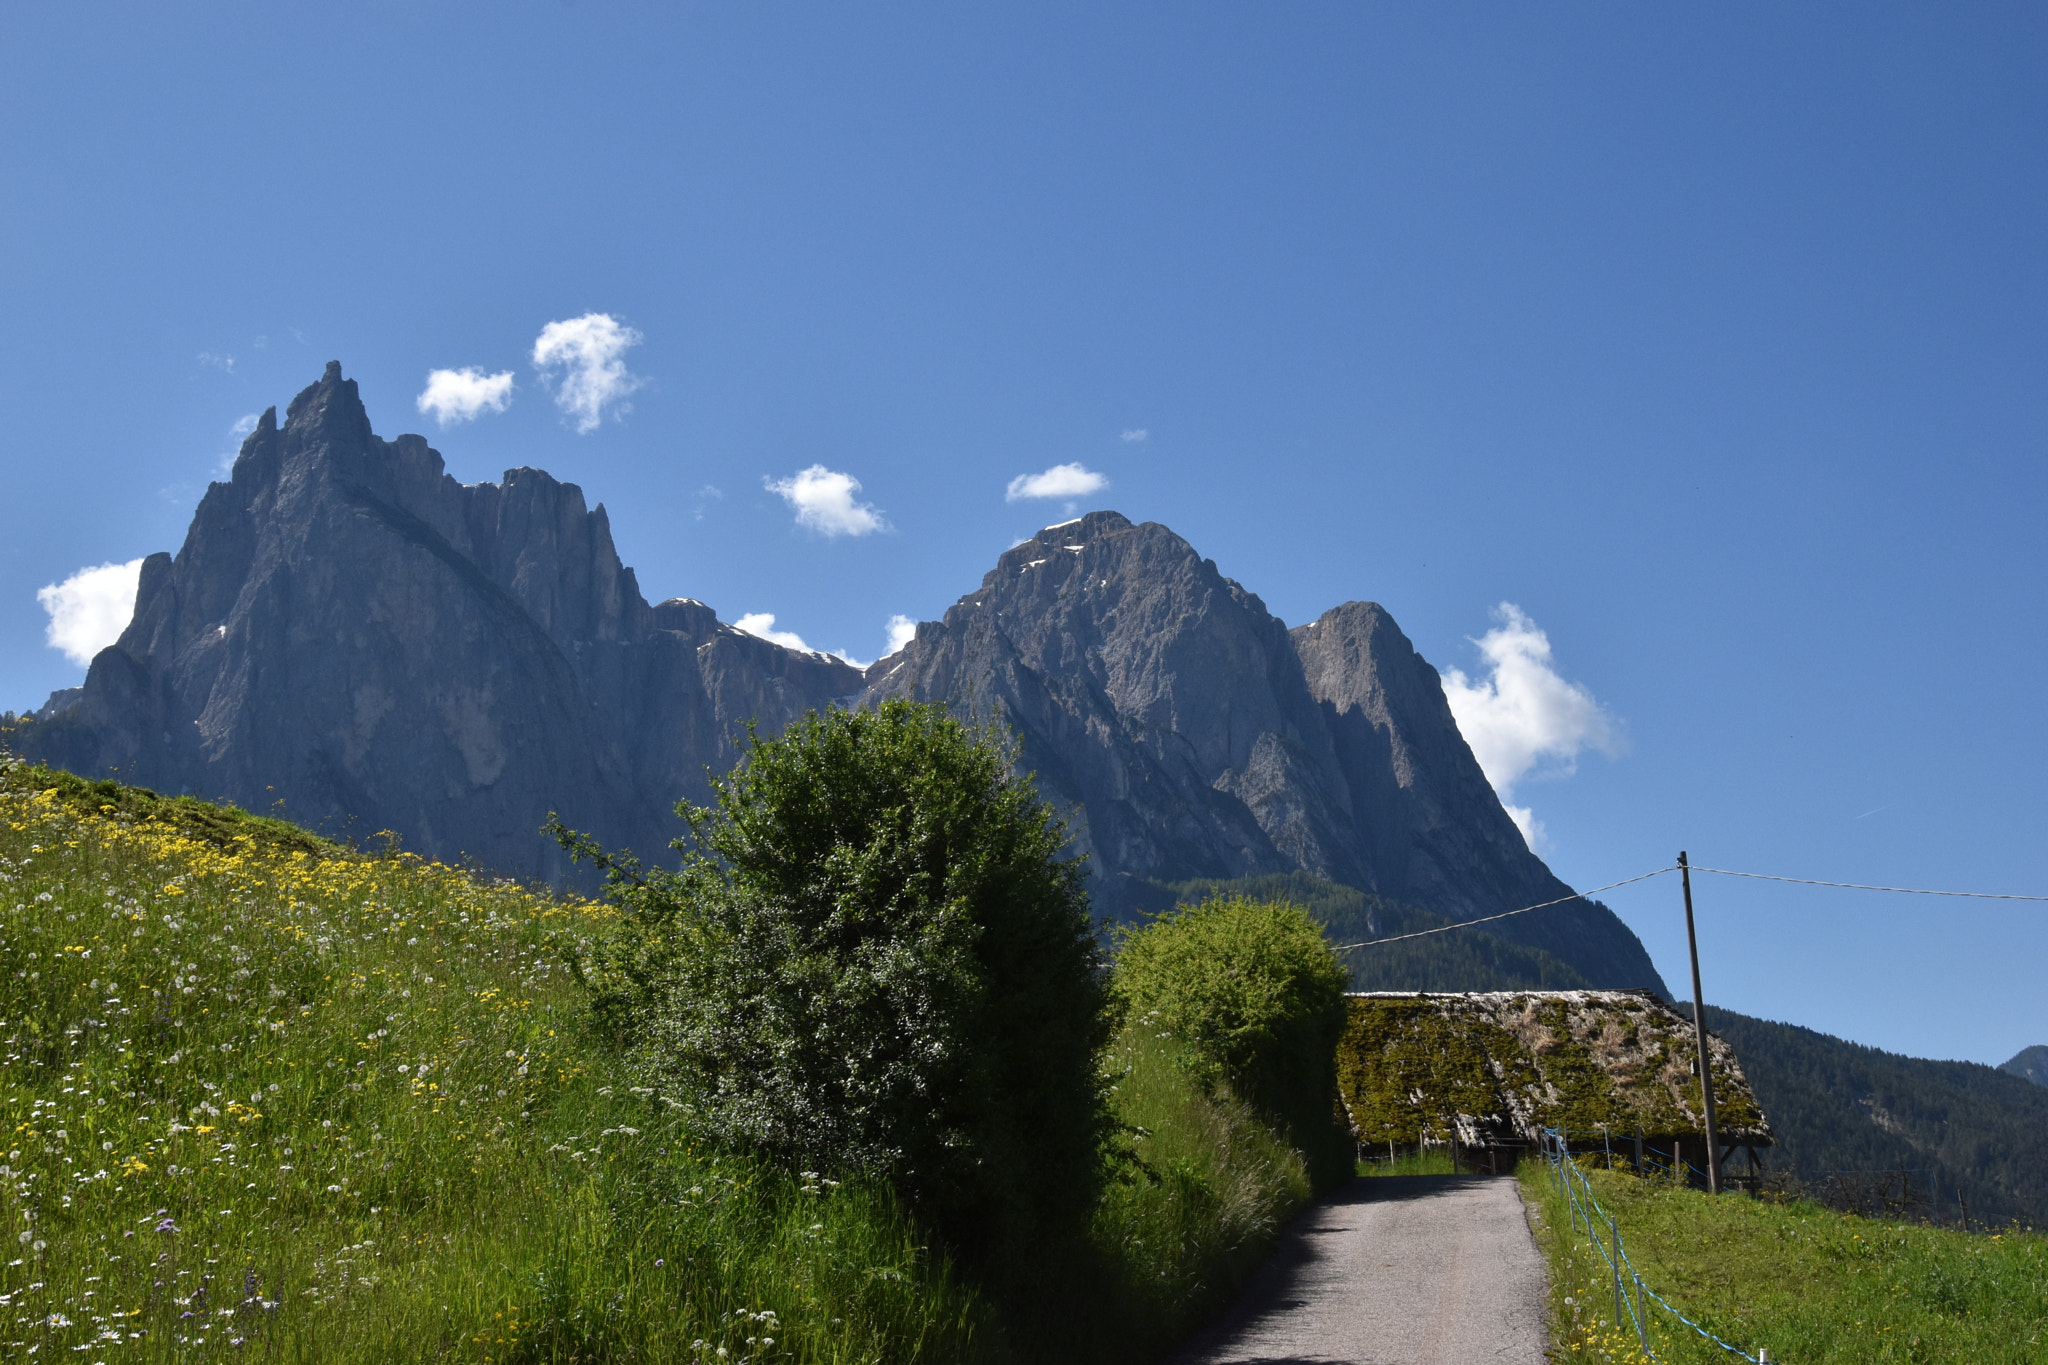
351	631
354	634
1194	735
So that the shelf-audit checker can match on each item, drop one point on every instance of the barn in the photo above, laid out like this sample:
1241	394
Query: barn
1485	1073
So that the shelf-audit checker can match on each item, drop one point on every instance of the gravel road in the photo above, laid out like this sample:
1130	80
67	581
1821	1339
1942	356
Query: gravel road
1394	1270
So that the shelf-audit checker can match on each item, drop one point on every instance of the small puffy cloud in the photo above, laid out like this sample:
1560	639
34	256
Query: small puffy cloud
244	424
901	631
1137	435
223	363
463	395
762	624
823	500
1522	715
1061	481
89	610
582	361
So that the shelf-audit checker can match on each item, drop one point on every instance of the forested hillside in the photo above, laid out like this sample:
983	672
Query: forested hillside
1971	1134
2029	1064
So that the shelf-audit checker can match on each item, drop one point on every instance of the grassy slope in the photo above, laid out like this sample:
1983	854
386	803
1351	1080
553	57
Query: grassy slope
1180	1233
1813	1286
271	1099
336	1107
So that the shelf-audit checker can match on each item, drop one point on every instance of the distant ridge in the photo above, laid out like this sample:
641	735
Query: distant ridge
353	637
2030	1064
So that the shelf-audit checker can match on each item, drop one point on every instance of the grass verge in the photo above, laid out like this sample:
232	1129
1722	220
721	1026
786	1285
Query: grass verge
1183	1228
1810	1285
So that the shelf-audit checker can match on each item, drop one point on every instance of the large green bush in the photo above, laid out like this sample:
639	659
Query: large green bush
874	959
1252	992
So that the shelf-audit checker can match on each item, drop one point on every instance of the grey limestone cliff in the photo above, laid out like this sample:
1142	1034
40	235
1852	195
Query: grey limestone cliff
352	632
1193	735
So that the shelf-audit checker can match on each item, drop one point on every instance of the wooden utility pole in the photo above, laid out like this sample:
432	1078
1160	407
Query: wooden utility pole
1699	1030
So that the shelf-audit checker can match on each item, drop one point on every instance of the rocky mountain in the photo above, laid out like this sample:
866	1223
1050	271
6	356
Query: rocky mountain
353	633
1194	736
350	631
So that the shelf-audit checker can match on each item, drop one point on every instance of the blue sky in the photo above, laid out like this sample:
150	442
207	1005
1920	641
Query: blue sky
1712	338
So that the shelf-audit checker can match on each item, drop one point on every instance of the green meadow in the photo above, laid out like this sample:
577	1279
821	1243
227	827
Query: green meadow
1807	1284
272	1099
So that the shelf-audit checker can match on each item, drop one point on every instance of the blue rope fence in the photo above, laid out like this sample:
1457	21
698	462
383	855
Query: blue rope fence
1584	1210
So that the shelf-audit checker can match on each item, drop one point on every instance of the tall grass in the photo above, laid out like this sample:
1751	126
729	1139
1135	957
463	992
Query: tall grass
1810	1285
1187	1223
269	1099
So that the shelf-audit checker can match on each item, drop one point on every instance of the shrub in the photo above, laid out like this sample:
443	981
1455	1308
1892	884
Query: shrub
1254	995
874	959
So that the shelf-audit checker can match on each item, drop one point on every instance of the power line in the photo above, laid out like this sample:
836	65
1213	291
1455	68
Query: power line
1488	919
1859	886
1725	872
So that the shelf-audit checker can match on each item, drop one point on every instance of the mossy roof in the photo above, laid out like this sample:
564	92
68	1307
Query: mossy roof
1499	1066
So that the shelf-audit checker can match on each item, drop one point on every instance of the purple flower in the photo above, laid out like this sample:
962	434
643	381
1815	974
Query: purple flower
167	1226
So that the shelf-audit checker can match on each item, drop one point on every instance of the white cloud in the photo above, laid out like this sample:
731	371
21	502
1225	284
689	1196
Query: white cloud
1136	435
902	630
1061	481
824	502
762	624
1524	715
463	395
223	363
244	424
90	609
582	363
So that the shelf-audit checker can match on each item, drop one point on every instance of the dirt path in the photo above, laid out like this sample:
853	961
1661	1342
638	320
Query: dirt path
1396	1270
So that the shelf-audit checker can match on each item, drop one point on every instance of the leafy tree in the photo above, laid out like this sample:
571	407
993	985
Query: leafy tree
874	958
1251	989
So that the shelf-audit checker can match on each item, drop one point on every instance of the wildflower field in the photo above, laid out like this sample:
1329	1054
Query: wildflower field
266	1098
1805	1283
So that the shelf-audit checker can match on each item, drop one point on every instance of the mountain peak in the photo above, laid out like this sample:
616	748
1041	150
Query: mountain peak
351	631
328	410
